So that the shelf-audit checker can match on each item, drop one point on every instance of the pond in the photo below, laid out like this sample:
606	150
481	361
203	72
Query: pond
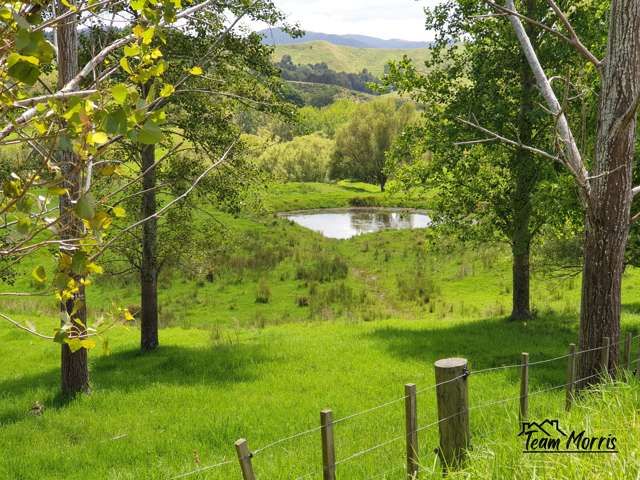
347	223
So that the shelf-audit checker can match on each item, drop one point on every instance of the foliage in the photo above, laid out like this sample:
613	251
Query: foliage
304	159
321	73
361	144
322	268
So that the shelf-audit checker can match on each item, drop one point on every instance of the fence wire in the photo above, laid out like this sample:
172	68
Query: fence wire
420	391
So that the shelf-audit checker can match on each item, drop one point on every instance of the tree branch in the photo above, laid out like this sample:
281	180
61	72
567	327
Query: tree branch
574	39
573	158
507	141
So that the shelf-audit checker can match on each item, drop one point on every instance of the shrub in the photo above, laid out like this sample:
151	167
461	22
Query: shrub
324	268
263	292
417	287
364	202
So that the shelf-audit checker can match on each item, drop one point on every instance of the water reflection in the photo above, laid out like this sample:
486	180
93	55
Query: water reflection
347	223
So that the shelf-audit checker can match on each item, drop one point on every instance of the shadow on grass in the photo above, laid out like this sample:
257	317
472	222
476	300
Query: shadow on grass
131	370
488	343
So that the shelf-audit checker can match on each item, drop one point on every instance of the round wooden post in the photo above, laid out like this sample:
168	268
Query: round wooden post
571	375
328	451
524	388
411	417
604	356
244	457
453	411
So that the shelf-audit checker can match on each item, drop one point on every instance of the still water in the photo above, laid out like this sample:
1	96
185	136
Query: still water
346	223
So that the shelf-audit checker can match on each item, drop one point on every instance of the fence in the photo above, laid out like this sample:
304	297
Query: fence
451	390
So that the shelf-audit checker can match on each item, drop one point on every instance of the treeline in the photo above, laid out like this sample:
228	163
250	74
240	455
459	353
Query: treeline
344	140
321	73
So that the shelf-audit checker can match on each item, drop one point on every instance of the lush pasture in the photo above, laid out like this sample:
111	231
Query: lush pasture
292	323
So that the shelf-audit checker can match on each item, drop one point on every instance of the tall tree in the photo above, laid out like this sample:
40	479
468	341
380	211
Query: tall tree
362	143
74	367
606	192
233	72
478	75
67	129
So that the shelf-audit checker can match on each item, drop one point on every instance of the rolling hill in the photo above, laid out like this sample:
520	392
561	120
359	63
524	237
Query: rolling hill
275	36
342	58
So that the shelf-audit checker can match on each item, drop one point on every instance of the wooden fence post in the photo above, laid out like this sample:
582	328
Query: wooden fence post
571	375
328	451
604	356
244	457
524	388
627	351
411	417
453	411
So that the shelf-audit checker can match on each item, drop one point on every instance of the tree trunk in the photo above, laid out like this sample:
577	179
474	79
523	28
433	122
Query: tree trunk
607	216
524	171
149	264
74	367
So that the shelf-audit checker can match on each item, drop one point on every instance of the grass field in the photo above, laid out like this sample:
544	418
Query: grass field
229	367
348	59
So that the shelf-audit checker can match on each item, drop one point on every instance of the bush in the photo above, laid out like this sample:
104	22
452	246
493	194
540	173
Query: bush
324	268
263	292
303	159
417	287
364	202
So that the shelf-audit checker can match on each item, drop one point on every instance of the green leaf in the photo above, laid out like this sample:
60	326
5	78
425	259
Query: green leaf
23	68
124	63
75	344
116	122
131	50
39	274
167	90
79	263
86	207
119	212
87	343
150	133
100	138
119	92
147	36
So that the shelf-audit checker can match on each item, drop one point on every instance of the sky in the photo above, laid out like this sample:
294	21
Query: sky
402	19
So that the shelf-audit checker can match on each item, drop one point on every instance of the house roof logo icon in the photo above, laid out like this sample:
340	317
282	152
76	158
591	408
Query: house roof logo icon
550	428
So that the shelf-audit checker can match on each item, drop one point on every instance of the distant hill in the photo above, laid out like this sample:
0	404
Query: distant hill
275	36
348	59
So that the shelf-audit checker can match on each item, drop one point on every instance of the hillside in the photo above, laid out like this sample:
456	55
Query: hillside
347	59
275	36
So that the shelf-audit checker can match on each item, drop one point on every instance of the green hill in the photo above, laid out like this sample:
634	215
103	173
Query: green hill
348	59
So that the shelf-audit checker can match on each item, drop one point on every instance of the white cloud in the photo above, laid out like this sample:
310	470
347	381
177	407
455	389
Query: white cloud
403	19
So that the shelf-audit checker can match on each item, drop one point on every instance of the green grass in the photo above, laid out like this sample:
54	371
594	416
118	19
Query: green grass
348	59
229	367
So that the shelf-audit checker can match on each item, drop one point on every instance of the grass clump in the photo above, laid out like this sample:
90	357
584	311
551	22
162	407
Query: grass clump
323	268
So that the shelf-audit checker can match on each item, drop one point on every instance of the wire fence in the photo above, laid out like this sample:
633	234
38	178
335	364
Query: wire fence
428	426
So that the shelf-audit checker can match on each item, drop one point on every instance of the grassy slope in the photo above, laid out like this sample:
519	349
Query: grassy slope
347	59
264	371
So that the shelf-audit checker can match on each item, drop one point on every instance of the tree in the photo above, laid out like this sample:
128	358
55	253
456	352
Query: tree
361	144
606	192
306	158
67	130
234	73
486	190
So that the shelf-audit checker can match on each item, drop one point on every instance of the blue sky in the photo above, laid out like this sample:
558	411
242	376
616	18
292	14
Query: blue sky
402	19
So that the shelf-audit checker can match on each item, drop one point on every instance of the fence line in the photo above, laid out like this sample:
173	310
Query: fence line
400	399
202	469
